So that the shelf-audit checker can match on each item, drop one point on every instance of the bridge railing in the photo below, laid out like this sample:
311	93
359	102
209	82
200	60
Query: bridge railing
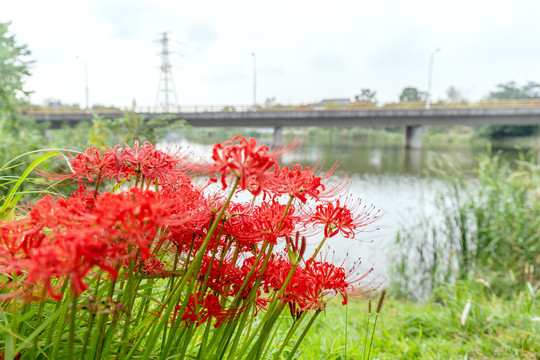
514	103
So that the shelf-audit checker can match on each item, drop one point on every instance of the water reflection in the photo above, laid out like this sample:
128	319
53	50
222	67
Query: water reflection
388	158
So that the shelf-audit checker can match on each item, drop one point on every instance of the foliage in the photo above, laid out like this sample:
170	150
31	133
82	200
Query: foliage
485	228
500	132
130	127
507	91
366	95
27	137
17	135
147	260
412	94
454	95
13	71
511	90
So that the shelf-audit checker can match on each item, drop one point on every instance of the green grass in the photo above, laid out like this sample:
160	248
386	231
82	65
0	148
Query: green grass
494	329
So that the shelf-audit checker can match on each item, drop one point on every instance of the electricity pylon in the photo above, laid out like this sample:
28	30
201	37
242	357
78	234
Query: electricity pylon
166	83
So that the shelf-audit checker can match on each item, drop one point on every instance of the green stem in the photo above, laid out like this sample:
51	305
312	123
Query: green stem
98	348
53	325
346	326
372	335
319	247
38	323
72	322
269	313
91	316
366	336
292	330
128	300
191	270
277	329
306	329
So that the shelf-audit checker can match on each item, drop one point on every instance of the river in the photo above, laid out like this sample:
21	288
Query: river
394	180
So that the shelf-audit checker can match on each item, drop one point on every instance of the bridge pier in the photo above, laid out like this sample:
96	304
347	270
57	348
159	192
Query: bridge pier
413	137
278	135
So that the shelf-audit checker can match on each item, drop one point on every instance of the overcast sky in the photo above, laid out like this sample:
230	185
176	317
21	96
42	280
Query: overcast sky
304	50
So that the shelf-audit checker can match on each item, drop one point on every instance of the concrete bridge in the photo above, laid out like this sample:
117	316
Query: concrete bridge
411	116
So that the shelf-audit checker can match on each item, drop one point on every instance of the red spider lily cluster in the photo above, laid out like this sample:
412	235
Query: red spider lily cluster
143	212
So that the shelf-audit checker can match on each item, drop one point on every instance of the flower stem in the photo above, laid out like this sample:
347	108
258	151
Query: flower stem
306	329
73	318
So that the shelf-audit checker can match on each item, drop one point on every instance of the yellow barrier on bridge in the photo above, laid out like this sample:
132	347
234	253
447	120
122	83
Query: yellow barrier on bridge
514	103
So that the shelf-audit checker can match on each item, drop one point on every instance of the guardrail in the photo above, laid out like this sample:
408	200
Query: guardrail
515	103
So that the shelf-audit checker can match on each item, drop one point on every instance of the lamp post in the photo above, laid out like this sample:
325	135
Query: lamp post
430	73
254	83
85	81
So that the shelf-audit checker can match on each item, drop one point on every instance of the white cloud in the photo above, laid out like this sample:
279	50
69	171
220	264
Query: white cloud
305	50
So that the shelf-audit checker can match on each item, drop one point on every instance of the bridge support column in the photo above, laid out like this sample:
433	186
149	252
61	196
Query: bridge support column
278	135
413	137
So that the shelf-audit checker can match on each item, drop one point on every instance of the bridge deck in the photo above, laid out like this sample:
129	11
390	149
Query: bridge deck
326	118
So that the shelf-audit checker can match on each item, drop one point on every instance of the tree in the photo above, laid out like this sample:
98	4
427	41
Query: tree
270	102
510	90
454	95
13	71
506	91
412	94
18	135
366	95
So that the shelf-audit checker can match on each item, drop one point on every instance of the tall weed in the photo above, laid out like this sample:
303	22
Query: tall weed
486	226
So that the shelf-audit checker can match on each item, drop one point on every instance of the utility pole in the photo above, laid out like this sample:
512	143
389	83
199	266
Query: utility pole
430	74
254	83
166	83
85	81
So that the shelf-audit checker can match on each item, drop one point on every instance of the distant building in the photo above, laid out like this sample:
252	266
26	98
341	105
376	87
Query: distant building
51	102
337	101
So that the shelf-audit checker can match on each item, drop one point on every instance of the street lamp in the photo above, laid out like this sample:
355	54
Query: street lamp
430	73
86	80
254	83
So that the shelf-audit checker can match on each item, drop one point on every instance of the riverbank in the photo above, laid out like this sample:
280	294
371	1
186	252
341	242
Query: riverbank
433	137
386	176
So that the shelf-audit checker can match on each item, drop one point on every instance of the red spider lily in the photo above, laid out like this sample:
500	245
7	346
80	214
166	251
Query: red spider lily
52	214
72	255
132	219
300	182
152	164
61	252
226	278
201	309
88	197
239	225
92	165
342	218
276	272
187	202
244	159
313	282
62	239
122	163
94	235
153	267
270	221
